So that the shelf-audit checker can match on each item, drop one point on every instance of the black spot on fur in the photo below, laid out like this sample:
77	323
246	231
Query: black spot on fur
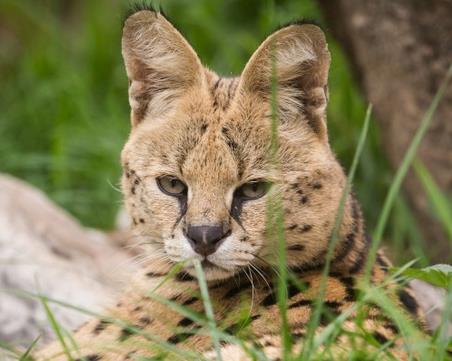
185	322
144	321
141	220
305	228
350	239
359	262
292	227
101	325
346	246
272	298
91	357
349	283
182	336
360	258
317	185
390	325
125	334
382	262
408	301
292	291
190	301
300	303
296	247
294	185
315	265
236	290
184	277
203	128
299	333
330	311
152	274
304	199
380	337
236	327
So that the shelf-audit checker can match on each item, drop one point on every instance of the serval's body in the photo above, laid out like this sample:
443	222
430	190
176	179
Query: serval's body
199	174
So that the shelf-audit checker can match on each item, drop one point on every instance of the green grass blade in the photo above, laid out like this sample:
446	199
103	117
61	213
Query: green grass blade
276	216
170	275
440	203
207	306
27	354
315	318
402	171
56	327
10	350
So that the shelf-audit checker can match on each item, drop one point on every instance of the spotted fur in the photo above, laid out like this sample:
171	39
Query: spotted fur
214	134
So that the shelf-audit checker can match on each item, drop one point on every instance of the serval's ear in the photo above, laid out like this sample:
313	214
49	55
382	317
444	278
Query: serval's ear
160	64
297	59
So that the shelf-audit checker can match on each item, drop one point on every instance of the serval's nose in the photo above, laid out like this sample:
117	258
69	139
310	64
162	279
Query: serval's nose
205	239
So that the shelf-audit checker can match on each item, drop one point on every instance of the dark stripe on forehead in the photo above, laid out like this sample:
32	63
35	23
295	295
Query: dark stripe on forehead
190	138
236	150
215	93
222	92
231	92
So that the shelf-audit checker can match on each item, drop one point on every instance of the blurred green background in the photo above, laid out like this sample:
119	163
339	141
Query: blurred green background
64	110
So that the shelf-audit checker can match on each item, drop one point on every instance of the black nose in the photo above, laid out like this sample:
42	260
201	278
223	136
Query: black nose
205	239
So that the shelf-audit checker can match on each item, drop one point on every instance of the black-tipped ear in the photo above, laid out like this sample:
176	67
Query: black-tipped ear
160	64
300	55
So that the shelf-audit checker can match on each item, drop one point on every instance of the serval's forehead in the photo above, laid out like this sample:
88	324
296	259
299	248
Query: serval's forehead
222	91
210	159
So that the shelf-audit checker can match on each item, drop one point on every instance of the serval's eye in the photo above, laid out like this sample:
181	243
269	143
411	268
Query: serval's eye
252	190
172	186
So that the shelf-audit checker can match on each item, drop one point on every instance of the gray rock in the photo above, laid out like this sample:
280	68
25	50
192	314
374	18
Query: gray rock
44	250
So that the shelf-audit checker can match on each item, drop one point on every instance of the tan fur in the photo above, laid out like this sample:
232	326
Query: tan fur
214	134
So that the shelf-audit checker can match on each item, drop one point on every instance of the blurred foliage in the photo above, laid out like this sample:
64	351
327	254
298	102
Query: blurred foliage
64	112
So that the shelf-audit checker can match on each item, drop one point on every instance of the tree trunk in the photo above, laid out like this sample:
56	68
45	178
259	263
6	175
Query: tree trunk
400	52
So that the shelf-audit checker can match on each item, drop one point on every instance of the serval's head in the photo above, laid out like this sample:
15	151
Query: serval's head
200	177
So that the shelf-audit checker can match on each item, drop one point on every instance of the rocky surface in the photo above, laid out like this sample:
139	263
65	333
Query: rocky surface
44	250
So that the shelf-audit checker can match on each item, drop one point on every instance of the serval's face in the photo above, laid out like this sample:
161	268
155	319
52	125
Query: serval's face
199	174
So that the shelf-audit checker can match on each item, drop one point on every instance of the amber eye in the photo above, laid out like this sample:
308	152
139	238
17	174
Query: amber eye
253	190
172	186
